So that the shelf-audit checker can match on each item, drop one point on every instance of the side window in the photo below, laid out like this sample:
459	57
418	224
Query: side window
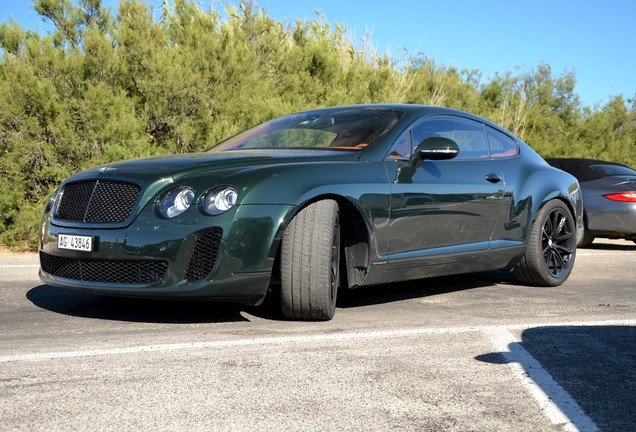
401	148
501	145
468	135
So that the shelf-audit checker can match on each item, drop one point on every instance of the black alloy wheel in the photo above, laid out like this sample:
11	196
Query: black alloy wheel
551	249
558	242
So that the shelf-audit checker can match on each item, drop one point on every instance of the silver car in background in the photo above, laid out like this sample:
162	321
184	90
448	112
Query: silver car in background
609	197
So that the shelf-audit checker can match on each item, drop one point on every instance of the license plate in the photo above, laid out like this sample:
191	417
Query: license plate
75	242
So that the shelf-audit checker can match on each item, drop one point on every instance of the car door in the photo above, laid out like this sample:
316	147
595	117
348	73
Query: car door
442	211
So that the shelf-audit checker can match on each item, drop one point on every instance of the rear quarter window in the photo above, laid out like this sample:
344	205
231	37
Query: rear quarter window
501	145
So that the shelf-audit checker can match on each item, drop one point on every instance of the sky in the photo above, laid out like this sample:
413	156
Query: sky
595	39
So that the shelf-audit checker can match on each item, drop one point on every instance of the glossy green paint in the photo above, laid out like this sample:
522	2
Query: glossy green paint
440	217
271	189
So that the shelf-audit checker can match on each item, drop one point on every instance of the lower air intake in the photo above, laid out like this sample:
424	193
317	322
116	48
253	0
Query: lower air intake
144	272
204	255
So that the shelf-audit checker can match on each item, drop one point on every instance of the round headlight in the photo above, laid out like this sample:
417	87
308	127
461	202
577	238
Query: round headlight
175	201
219	200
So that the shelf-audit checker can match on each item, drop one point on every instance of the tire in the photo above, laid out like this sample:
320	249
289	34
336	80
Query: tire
587	239
551	250
310	263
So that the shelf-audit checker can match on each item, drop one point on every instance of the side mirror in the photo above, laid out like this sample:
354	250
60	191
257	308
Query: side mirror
436	148
432	148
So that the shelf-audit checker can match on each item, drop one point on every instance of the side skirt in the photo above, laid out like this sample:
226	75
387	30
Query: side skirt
503	258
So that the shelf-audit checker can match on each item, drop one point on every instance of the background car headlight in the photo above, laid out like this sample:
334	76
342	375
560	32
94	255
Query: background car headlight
52	198
175	201
219	200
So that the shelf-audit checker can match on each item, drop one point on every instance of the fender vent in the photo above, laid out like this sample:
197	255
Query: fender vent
204	255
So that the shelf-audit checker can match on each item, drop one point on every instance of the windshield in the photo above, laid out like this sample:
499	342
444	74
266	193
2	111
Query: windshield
346	129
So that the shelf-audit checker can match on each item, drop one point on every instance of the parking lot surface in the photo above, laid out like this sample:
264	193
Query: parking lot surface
475	352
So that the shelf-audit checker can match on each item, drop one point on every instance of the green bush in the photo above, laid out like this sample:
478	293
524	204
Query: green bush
112	85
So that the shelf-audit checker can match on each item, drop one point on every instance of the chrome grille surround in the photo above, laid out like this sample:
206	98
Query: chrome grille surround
97	201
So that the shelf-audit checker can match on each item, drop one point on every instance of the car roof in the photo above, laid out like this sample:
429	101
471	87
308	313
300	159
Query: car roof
416	110
420	109
581	167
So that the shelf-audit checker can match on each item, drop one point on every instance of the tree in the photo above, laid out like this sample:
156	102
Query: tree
110	85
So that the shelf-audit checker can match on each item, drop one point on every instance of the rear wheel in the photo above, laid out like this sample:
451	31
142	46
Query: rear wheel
310	263
587	239
551	250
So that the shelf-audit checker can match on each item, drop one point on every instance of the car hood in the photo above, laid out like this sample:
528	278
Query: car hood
175	167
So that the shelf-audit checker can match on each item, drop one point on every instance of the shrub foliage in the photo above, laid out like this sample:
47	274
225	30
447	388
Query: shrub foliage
109	85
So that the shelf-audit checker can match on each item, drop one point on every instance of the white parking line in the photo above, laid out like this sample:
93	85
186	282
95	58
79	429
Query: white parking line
408	332
596	253
237	342
556	403
559	406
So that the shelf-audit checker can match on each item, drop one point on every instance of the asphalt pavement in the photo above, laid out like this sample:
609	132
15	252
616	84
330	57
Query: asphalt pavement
474	352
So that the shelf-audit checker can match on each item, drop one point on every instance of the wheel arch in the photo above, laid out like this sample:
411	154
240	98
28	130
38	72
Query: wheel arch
356	234
571	196
574	202
551	248
567	202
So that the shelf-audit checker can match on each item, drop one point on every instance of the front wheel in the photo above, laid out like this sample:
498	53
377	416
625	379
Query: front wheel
551	249
310	263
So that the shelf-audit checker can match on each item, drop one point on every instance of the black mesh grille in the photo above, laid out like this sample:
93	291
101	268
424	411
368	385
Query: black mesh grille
97	201
107	271
204	255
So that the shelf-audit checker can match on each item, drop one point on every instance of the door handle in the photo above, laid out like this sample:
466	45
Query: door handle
493	178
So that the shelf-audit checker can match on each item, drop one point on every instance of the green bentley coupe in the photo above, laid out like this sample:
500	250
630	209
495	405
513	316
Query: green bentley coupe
305	204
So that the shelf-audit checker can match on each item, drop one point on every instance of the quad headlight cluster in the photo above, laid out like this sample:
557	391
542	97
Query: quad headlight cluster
218	200
214	202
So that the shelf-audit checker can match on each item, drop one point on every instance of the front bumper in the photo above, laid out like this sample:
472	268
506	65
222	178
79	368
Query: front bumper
228	257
